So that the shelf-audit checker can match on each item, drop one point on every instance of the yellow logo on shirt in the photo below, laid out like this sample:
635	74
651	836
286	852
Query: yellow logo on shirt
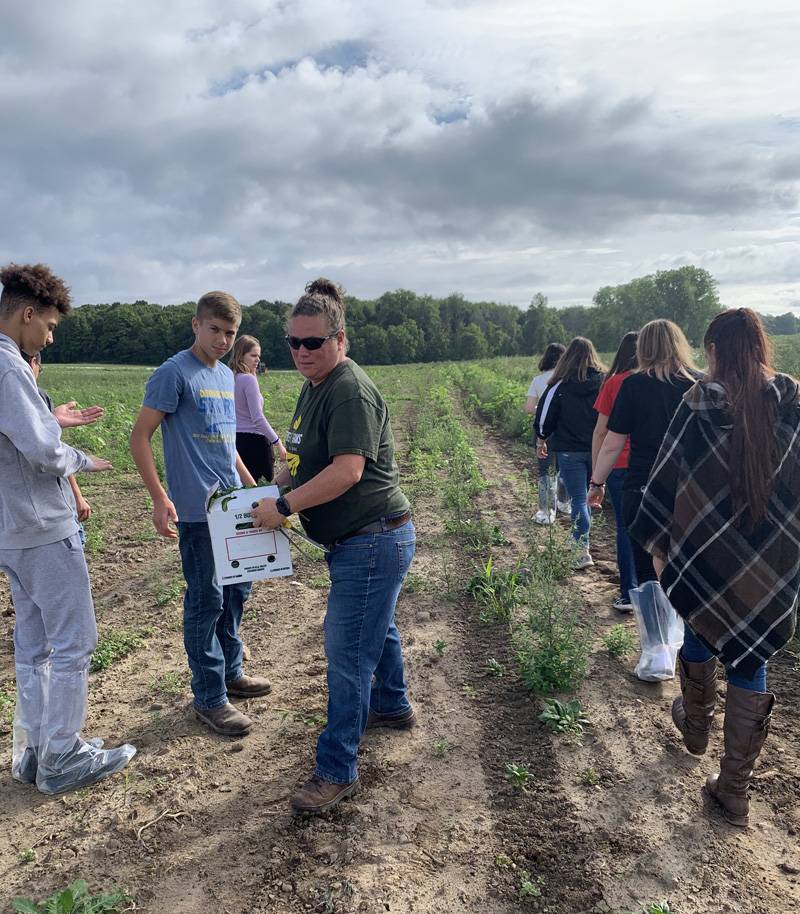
296	423
293	462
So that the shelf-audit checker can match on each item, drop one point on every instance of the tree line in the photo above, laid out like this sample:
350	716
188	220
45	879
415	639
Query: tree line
402	326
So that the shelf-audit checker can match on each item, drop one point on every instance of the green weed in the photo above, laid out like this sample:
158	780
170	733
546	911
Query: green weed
415	583
306	718
589	777
169	591
656	907
73	900
8	697
112	647
564	717
619	641
518	775
27	856
319	581
441	748
440	647
172	683
530	886
498	592
495	668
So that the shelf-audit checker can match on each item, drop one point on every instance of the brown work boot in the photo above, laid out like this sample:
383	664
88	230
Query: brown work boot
225	719
747	719
693	710
248	687
317	796
405	720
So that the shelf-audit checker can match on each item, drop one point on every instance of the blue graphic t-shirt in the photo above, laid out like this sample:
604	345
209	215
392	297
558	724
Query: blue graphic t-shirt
199	429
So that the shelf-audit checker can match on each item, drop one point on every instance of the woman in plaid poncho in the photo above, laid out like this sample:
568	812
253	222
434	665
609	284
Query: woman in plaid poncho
720	517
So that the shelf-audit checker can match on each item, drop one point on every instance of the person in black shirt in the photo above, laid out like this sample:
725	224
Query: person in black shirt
565	420
644	407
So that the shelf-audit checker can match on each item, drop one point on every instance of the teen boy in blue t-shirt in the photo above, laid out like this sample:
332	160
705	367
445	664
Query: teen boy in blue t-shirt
191	397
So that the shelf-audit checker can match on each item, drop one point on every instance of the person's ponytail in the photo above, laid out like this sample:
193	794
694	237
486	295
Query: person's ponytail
743	365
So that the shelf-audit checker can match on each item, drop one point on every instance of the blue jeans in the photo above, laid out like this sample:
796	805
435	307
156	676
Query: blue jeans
627	570
694	651
362	642
211	619
576	469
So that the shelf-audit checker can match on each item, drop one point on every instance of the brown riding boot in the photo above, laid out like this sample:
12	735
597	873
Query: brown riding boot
693	710
317	796
747	719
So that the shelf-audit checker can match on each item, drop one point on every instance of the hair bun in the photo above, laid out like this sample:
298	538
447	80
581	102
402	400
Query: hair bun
327	287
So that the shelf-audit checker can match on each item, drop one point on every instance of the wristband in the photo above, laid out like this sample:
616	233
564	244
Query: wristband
596	485
282	506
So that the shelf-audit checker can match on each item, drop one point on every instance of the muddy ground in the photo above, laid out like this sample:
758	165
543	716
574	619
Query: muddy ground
201	824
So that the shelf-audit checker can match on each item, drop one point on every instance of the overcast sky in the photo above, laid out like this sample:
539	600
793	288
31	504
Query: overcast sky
493	147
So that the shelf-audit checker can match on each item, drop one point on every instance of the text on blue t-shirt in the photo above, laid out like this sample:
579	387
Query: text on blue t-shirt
199	430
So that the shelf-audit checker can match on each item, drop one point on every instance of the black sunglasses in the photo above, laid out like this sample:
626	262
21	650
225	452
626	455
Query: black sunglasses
311	343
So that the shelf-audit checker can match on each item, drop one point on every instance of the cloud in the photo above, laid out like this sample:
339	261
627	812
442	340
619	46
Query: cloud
496	149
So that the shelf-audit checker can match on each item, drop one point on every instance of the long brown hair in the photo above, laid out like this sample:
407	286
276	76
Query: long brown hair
625	359
662	350
578	359
551	355
742	365
241	347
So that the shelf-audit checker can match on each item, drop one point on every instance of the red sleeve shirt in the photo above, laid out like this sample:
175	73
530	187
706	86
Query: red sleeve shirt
604	403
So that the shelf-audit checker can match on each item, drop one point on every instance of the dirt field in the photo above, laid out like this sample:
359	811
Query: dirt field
201	824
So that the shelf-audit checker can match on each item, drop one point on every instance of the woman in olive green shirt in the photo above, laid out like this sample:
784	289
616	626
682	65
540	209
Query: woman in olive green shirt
345	488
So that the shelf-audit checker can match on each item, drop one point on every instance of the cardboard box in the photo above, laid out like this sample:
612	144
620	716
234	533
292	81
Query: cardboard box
241	551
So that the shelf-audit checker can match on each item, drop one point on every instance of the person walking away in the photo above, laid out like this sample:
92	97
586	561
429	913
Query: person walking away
191	397
642	411
547	486
624	363
719	516
565	420
255	437
55	630
345	487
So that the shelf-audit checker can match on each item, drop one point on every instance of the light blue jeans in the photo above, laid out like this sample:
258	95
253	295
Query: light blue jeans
211	619
362	644
576	468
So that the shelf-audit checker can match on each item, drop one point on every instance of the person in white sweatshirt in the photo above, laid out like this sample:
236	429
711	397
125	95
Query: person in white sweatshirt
41	552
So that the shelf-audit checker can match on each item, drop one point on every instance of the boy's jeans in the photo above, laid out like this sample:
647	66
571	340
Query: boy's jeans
211	619
362	641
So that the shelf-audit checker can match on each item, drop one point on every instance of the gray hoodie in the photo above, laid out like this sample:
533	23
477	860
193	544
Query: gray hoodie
36	507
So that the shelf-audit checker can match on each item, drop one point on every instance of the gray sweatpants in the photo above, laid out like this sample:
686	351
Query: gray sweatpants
53	602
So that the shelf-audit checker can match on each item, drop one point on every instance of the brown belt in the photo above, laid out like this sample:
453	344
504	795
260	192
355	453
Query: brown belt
378	526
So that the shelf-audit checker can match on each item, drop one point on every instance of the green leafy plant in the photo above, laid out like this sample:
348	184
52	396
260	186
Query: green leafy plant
169	591
73	900
564	717
441	747
306	718
518	775
589	777
619	641
495	668
171	683
7	700
530	886
498	592
112	647
440	647
28	855
656	907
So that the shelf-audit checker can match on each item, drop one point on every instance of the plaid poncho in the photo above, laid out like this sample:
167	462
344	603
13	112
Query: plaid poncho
738	592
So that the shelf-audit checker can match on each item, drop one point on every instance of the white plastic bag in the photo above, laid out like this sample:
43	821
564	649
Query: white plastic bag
660	632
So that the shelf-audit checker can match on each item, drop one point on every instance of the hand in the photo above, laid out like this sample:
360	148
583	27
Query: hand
68	416
164	514
541	450
83	508
266	515
98	464
596	494
281	450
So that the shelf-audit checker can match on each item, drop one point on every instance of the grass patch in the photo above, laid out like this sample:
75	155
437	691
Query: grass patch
169	591
112	647
619	641
172	683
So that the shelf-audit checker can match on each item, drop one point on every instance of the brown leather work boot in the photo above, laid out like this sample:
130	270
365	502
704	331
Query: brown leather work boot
317	796
747	720
248	687
693	710
403	721
226	719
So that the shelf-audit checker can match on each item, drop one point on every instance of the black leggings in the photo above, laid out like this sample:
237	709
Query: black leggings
256	454
643	561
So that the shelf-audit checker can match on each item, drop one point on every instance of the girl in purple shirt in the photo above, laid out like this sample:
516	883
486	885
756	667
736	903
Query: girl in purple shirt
255	437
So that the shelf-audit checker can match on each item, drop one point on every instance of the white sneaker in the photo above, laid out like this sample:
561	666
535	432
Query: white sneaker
623	605
583	560
564	507
544	517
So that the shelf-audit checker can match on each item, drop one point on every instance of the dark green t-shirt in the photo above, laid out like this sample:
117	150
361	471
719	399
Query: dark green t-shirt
345	414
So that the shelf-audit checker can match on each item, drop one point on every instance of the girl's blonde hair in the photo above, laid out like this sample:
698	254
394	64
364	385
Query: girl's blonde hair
663	351
240	349
576	362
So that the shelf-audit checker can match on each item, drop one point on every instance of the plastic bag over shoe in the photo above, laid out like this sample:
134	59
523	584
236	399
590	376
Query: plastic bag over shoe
65	760
660	632
32	684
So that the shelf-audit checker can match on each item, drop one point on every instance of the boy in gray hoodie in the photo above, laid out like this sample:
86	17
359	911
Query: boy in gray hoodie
41	552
